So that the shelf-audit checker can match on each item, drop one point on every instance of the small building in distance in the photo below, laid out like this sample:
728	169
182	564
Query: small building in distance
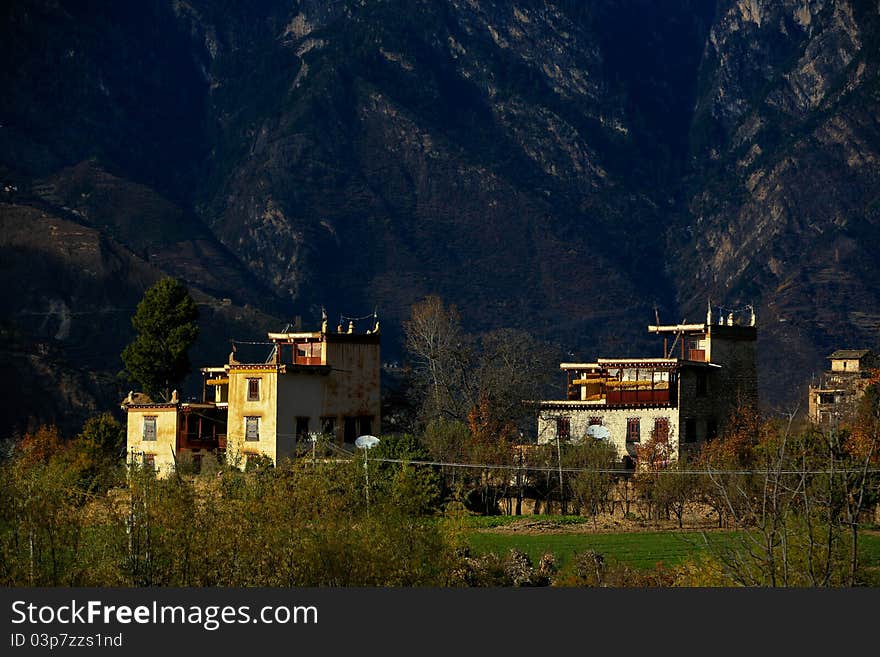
837	392
683	397
316	382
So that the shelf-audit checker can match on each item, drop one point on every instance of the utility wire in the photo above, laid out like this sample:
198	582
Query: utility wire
356	319
622	471
72	313
538	468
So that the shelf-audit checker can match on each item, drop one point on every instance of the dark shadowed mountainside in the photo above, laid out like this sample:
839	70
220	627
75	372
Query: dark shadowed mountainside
560	166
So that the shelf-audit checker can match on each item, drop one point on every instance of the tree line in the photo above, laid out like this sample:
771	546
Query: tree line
73	512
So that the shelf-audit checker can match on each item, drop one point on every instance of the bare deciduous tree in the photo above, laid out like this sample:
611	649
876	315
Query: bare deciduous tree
435	341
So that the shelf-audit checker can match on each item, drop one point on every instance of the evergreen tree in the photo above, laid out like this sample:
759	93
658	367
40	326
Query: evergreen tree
165	321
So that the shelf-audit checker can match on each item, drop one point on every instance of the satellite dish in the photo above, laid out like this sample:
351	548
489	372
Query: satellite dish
598	432
366	442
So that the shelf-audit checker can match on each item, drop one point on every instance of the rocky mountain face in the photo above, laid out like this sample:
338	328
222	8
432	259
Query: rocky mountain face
782	196
563	166
482	151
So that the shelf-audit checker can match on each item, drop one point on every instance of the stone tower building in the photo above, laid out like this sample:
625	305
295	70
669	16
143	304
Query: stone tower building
707	371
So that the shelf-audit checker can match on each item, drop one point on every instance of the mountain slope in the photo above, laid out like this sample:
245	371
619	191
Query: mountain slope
560	166
783	203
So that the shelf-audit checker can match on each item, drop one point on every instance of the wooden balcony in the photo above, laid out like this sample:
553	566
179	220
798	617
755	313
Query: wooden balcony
307	360
632	397
697	355
190	440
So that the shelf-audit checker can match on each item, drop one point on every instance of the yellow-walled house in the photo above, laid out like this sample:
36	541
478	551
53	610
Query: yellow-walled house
314	382
160	435
253	404
152	434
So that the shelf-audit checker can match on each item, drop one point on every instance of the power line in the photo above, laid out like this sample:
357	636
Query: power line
74	313
356	319
624	471
538	468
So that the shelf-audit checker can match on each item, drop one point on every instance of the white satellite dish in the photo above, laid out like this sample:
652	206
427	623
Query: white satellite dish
598	432
366	442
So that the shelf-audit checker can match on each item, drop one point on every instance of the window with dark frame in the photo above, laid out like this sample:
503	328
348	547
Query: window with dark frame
365	425
253	389
302	428
349	433
633	430
563	428
149	427
661	429
702	384
711	429
690	430
596	420
252	428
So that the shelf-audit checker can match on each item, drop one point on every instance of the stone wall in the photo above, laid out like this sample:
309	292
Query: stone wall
614	419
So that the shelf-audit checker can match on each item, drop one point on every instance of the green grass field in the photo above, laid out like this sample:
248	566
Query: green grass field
637	549
485	522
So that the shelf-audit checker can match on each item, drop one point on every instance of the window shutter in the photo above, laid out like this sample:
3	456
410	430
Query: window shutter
252	428
150	427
